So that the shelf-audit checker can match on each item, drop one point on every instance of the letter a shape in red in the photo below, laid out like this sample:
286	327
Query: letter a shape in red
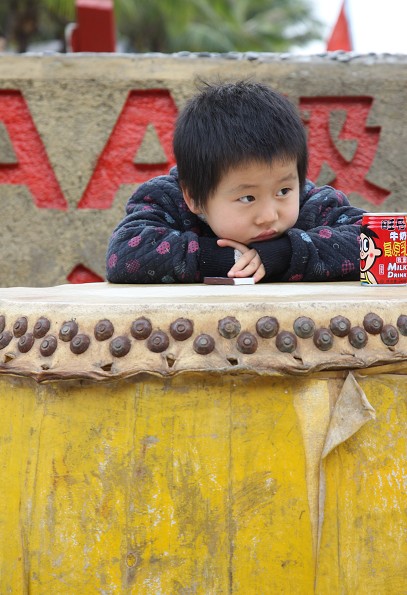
117	163
32	167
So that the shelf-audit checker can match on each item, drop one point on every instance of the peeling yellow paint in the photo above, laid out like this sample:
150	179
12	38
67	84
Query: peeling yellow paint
202	485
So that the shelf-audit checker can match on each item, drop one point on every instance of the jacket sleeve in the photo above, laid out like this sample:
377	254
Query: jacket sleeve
322	246
158	240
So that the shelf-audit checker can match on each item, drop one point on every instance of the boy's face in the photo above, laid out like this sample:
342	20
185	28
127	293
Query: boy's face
253	202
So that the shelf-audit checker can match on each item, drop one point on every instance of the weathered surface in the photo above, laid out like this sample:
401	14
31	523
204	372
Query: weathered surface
79	132
201	485
105	332
200	453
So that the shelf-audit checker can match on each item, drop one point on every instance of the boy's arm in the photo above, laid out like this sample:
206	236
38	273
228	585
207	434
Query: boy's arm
157	241
323	245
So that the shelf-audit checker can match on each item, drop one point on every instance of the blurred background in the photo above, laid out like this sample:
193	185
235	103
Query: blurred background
169	25
372	26
297	26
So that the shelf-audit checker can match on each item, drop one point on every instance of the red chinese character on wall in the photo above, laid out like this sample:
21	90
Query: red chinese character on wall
340	140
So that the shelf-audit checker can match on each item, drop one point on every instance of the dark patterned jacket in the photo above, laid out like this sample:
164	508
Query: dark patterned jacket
161	241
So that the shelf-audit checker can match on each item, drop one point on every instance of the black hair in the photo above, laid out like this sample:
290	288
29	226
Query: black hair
229	124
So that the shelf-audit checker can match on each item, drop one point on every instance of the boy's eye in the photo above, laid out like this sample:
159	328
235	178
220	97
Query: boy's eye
247	199
283	191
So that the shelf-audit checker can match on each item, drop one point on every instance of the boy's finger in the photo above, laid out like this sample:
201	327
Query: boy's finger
248	270
259	274
243	261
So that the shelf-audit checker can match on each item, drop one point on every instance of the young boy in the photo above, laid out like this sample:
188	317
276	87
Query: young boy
238	203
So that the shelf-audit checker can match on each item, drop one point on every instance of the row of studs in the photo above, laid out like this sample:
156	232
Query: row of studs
181	329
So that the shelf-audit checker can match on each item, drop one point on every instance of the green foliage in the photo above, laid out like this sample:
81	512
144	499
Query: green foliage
25	21
173	25
216	25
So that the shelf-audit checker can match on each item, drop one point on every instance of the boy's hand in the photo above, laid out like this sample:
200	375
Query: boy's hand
248	265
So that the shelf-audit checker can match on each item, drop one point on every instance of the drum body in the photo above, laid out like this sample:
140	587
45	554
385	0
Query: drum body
238	446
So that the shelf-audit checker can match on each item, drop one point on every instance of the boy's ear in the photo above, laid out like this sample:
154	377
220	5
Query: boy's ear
190	202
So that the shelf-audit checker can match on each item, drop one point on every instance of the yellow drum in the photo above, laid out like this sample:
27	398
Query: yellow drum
203	439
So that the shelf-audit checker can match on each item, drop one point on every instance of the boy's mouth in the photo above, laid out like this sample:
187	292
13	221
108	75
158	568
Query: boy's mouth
265	235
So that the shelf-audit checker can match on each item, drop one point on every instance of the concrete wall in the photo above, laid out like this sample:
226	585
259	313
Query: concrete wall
79	132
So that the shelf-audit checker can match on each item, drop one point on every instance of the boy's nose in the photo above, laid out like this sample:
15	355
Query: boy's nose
267	215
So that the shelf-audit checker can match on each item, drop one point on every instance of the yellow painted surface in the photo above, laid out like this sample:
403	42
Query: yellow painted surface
364	538
200	484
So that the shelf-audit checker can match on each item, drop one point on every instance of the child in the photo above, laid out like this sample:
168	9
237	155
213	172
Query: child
238	203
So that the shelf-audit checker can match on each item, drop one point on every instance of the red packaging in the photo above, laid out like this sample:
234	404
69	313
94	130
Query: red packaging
383	249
